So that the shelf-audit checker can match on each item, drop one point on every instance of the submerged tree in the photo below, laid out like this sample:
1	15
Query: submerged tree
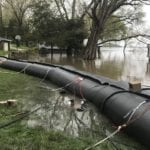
108	19
2	31
56	27
100	12
72	35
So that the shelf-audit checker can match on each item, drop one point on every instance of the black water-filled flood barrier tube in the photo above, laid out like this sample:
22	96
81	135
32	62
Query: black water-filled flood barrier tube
112	98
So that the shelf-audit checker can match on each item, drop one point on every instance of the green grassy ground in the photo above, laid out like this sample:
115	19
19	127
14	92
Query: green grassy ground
19	136
23	48
2	52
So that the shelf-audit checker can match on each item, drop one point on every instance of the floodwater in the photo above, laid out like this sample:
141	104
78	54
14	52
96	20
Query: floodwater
113	63
59	113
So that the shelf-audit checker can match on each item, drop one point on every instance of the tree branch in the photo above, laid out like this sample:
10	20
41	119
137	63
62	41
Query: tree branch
124	38
59	9
86	9
73	9
65	10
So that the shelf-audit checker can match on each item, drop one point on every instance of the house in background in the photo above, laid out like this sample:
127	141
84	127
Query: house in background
4	44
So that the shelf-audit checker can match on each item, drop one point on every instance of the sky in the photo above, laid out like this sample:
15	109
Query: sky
147	17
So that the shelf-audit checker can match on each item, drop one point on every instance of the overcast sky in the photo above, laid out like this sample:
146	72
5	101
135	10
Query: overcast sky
147	17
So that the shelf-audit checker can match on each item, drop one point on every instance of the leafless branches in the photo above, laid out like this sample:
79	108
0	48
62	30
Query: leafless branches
124	38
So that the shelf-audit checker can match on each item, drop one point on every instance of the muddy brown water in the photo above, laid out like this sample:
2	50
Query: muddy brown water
113	63
60	114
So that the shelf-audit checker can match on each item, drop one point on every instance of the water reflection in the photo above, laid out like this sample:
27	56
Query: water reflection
59	114
113	63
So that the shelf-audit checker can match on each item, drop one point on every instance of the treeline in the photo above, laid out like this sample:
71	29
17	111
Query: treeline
38	21
66	23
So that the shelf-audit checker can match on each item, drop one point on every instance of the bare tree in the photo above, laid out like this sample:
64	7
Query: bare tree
70	9
19	9
1	20
73	9
1	16
99	12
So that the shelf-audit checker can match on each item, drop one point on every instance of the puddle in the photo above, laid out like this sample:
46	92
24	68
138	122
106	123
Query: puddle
62	112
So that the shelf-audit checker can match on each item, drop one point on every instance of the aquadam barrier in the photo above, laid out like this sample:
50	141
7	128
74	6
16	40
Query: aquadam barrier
113	98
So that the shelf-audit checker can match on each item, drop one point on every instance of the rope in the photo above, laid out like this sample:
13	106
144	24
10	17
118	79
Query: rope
71	71
131	113
42	80
139	116
53	90
76	80
23	70
144	89
128	122
108	98
20	118
81	90
119	92
108	137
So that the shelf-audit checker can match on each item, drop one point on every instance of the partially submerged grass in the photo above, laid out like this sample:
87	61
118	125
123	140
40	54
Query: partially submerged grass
22	137
19	136
14	85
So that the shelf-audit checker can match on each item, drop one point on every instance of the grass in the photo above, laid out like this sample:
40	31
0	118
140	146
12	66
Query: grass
23	137
3	53
19	136
23	48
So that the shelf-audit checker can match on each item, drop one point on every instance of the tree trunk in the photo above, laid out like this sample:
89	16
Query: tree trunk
73	9
1	20
91	48
125	46
69	51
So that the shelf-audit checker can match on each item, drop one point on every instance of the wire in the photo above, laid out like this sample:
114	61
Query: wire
108	137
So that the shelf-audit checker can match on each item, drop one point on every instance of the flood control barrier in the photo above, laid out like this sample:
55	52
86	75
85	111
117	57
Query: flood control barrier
112	98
